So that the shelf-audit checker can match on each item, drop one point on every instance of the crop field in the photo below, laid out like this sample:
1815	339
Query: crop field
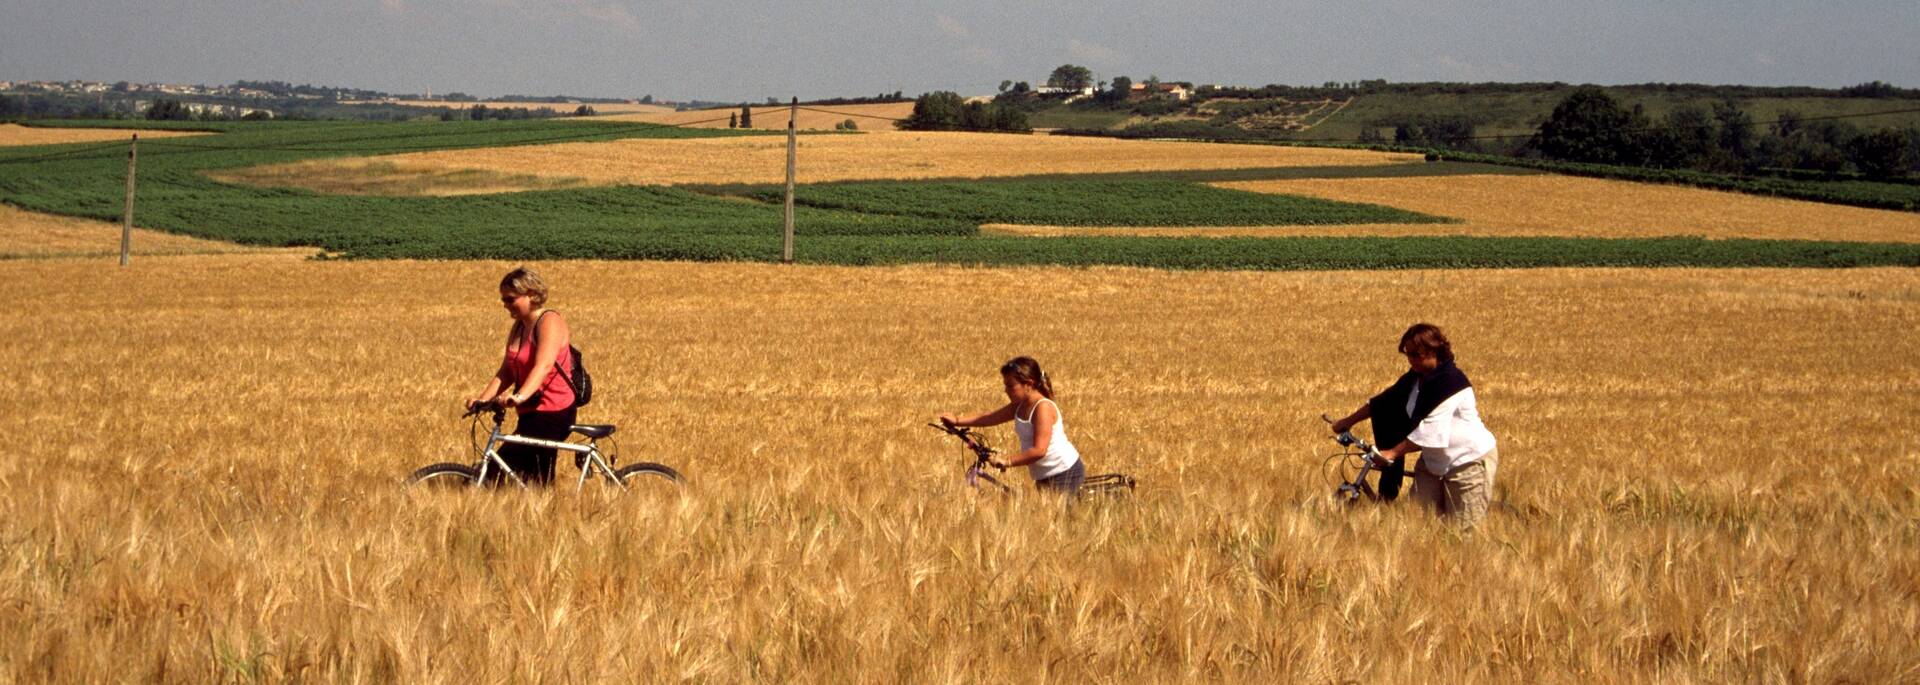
16	135
1550	205
26	234
870	117
598	107
614	190
1701	478
1088	203
832	158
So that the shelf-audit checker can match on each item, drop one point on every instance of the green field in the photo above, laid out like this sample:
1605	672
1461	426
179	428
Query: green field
1091	203
853	223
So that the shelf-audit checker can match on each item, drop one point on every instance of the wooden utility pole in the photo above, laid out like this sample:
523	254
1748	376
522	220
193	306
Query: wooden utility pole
126	218
793	146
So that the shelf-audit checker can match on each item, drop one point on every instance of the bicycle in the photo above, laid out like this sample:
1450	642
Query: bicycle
1102	484
588	457
1358	451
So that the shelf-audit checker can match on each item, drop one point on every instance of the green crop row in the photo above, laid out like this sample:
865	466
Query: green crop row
1091	203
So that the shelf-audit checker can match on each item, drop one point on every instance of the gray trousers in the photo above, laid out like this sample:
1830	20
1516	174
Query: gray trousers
1461	495
1066	482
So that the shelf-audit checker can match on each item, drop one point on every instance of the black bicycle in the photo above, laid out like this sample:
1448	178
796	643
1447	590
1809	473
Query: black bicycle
1359	456
1103	484
489	467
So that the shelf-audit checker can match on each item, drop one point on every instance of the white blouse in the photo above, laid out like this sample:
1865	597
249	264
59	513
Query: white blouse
1452	435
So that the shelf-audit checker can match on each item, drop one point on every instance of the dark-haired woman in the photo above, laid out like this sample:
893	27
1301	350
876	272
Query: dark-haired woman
530	377
1431	409
1044	449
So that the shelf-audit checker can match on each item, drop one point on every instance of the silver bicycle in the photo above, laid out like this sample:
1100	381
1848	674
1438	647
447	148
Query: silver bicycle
489	468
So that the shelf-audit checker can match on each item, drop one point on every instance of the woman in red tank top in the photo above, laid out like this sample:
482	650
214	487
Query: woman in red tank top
529	378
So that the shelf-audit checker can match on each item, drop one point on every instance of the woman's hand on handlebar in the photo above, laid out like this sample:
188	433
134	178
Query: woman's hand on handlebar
1343	425
948	419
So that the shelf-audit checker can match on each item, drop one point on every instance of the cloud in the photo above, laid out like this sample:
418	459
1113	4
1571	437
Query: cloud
1092	52
1765	59
953	27
393	8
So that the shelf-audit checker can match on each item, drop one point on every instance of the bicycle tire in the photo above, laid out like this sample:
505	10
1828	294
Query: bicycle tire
444	475
646	473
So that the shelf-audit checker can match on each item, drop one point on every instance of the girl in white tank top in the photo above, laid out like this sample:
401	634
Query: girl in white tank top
1044	448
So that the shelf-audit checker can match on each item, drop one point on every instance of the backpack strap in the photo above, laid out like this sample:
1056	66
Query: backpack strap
533	339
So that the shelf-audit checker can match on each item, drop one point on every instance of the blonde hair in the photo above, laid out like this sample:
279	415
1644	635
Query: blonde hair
525	281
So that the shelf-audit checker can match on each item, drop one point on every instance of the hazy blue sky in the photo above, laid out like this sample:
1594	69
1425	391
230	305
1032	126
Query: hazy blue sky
727	49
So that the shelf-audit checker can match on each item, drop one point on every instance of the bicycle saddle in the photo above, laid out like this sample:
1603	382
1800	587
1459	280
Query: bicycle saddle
595	431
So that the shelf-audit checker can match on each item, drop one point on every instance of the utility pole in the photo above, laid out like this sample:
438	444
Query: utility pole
793	146
126	219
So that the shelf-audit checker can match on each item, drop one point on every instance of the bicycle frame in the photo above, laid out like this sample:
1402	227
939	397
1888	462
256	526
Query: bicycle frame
1352	490
982	457
490	457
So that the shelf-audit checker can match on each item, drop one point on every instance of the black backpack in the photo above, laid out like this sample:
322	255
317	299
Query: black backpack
579	380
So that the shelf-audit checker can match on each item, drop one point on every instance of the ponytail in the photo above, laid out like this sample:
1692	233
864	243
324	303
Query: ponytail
1028	371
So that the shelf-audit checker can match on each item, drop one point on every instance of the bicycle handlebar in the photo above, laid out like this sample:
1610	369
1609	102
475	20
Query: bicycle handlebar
966	437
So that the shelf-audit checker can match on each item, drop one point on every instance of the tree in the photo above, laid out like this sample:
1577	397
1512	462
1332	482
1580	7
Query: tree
1122	88
1590	126
935	111
583	111
846	125
1004	85
646	99
1883	153
1071	77
1736	136
746	116
1436	130
168	110
1686	139
733	120
478	112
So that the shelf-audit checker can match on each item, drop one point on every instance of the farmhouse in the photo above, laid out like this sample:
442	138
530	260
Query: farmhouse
1142	91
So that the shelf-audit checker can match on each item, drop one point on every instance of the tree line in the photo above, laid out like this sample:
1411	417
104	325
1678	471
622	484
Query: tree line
1590	126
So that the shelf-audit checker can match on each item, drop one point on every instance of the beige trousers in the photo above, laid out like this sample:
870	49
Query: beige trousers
1462	495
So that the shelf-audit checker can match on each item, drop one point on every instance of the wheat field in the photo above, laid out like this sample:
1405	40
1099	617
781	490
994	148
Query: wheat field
15	134
762	159
1548	205
26	234
602	108
1706	477
866	117
1555	205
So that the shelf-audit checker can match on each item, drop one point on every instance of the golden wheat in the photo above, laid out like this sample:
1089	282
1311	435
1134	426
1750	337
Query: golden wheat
872	117
1537	205
33	234
1702	478
823	158
15	134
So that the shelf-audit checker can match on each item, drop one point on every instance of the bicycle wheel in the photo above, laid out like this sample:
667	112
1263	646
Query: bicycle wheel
647	476
443	476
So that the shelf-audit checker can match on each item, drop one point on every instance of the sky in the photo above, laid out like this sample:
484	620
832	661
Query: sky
730	50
